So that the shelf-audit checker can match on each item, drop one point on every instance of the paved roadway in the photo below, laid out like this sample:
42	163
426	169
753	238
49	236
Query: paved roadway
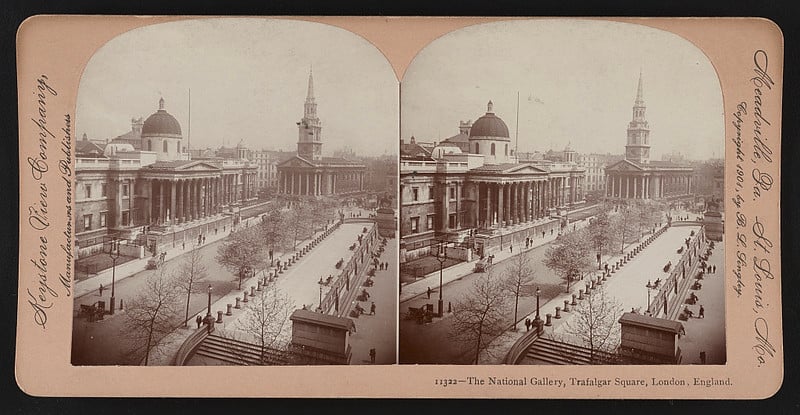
379	331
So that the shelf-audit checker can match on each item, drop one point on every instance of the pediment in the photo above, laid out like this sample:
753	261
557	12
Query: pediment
296	162
525	169
201	166
624	165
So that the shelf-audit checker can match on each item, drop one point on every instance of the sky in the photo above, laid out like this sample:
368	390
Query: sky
576	81
248	79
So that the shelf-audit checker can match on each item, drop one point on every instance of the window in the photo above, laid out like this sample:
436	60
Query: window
414	194
103	190
87	222
506	149
125	190
452	192
452	221
126	216
149	145
165	146
415	225
492	148
102	219
430	192
88	191
477	148
429	224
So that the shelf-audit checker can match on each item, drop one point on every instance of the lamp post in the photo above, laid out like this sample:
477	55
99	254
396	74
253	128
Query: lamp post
650	287
441	256
538	319
320	297
114	254
209	300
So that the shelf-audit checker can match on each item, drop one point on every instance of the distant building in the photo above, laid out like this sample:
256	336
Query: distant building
637	177
150	192
472	188
309	172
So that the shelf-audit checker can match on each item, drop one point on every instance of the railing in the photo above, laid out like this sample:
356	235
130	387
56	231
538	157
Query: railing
190	345
520	347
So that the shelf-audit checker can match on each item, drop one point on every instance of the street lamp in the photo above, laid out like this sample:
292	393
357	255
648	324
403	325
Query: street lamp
209	300
650	288
441	256
114	254
537	320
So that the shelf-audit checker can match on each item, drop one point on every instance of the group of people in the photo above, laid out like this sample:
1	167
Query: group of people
360	310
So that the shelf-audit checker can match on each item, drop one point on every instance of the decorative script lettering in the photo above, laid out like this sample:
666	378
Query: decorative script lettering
754	181
42	287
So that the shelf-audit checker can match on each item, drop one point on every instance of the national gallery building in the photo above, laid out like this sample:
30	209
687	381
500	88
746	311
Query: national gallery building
154	194
471	190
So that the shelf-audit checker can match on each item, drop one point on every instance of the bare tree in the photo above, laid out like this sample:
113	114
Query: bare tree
191	273
242	251
478	316
626	224
517	282
299	222
569	256
596	323
265	318
601	234
274	227
150	315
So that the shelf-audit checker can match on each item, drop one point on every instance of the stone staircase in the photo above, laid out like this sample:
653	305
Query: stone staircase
238	353
554	352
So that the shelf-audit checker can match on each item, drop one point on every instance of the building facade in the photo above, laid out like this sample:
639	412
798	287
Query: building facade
638	177
309	173
481	196
147	196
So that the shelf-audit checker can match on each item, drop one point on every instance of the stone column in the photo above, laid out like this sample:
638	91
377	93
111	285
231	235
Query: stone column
172	196
476	216
160	201
458	202
445	212
148	204
488	219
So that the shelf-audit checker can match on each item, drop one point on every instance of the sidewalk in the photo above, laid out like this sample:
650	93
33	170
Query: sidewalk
501	345
450	274
135	266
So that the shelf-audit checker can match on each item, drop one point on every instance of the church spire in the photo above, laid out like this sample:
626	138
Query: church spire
310	95
639	93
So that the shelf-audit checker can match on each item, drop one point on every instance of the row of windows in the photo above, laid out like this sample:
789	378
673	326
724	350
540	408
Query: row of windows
165	146
102	216
87	190
428	224
491	149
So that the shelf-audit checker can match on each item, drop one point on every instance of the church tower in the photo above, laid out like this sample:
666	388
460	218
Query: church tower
637	148
309	140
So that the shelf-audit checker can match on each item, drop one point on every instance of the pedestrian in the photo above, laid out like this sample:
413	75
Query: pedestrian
204	237
184	245
429	293
542	234
372	354
527	324
101	290
198	320
702	313
702	357
372	309
511	248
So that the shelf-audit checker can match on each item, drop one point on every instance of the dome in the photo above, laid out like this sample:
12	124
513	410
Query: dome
161	122
489	125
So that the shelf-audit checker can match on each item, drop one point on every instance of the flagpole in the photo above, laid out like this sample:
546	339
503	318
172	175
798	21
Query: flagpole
516	145
189	133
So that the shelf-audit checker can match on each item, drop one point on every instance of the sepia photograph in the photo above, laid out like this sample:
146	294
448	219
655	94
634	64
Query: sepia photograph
561	187
234	197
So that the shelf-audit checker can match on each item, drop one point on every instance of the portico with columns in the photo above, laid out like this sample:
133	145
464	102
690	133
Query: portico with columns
638	177
309	173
